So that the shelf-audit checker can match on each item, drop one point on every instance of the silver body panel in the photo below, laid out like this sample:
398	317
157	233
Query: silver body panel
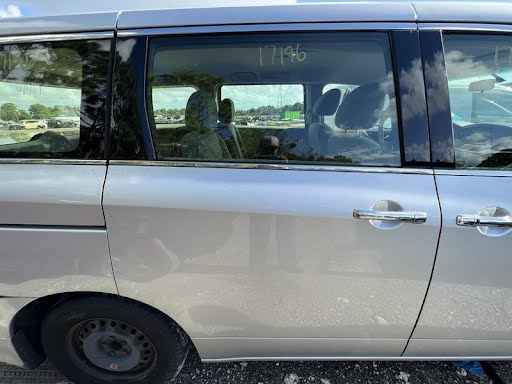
58	24
83	16
470	296
296	13
44	261
50	194
272	253
295	348
464	12
52	230
52	236
448	349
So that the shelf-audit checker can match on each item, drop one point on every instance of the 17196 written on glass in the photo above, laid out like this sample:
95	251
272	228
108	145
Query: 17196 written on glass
273	54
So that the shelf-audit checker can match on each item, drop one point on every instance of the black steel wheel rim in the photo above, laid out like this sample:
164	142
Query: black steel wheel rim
113	347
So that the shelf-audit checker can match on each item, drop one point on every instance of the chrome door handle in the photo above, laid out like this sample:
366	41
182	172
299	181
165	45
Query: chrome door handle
400	216
484	221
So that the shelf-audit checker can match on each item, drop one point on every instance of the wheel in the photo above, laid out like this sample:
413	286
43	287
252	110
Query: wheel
106	339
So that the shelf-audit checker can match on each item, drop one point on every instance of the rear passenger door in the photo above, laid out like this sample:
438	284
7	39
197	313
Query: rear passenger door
52	164
320	235
468	310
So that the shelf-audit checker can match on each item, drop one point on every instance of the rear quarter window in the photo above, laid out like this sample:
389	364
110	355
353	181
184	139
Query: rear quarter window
53	99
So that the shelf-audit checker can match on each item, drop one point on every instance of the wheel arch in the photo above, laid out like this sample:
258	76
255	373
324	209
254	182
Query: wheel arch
25	326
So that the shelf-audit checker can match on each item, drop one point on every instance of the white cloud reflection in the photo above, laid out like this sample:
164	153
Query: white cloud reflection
10	11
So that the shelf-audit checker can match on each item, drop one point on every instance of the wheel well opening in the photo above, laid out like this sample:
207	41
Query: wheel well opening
26	328
26	324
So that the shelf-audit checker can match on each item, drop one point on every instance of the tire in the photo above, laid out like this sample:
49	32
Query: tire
107	339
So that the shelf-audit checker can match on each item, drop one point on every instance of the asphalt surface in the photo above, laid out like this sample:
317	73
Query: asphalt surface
195	372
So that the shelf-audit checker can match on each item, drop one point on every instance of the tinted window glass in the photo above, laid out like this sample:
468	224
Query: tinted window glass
252	100
479	69
53	99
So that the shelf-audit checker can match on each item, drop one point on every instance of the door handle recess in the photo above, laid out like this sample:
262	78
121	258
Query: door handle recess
484	221
400	216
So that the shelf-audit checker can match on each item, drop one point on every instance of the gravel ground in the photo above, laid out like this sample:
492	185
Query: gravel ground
195	372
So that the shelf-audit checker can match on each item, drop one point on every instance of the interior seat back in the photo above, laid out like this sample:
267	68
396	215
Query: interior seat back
202	142
360	110
319	133
227	129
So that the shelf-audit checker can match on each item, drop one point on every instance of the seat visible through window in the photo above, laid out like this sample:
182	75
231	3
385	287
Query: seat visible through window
228	130
202	142
319	133
360	110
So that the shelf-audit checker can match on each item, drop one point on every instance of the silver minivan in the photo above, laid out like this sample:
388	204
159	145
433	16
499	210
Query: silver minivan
259	180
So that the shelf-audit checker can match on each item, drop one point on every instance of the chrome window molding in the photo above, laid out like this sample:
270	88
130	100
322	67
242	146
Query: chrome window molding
56	37
470	27
366	26
276	167
52	161
474	172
